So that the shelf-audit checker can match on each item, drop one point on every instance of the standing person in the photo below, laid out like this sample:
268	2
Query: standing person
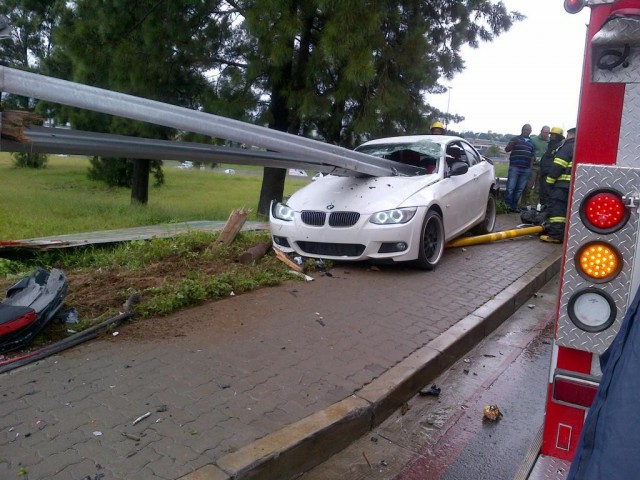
555	140
540	144
559	178
520	162
437	128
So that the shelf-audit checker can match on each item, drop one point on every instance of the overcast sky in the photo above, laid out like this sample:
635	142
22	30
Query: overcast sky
530	74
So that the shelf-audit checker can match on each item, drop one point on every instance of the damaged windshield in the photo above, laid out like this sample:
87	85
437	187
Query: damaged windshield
423	154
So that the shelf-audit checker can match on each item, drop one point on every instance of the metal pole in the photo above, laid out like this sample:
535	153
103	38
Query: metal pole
492	237
446	120
105	101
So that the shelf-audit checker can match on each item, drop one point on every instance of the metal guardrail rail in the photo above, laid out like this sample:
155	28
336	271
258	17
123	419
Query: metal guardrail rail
86	97
78	142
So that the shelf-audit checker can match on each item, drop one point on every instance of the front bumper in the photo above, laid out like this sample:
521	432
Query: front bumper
362	241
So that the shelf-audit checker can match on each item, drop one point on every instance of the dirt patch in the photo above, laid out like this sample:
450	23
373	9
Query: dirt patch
101	293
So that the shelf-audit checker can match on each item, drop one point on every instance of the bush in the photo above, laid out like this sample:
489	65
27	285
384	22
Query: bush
30	160
117	172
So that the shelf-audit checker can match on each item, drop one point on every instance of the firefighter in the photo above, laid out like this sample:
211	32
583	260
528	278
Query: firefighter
556	138
437	128
559	180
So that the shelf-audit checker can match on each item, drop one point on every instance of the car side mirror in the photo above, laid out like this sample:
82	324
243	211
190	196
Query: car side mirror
458	168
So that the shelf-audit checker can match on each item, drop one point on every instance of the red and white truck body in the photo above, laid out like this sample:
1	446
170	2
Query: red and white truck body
600	274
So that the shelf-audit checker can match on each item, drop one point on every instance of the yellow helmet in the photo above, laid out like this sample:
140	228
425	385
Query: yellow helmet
437	125
557	130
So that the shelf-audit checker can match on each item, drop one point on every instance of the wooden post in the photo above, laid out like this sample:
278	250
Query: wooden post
233	226
254	253
13	123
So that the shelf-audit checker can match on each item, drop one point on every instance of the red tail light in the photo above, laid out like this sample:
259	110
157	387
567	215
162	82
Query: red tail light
573	6
603	211
26	317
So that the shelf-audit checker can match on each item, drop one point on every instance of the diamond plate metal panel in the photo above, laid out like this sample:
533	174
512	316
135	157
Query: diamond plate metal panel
629	143
614	35
588	177
549	468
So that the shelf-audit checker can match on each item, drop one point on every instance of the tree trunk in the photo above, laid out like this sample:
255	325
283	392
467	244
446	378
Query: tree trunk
140	182
272	189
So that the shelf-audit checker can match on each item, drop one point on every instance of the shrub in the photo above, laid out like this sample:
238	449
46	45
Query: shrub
30	160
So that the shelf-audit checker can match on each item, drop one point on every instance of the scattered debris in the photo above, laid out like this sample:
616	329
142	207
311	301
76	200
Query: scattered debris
466	360
465	371
141	417
431	391
30	306
97	433
115	334
374	439
492	412
429	421
128	304
383	463
162	408
320	322
405	408
531	305
302	275
131	437
488	355
286	260
69	316
367	460
83	336
223	386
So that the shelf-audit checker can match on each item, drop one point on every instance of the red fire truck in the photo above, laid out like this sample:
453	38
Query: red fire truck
599	277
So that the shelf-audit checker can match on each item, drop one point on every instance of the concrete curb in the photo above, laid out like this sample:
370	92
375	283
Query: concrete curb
312	440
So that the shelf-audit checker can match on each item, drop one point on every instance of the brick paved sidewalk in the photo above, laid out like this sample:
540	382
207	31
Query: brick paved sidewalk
262	362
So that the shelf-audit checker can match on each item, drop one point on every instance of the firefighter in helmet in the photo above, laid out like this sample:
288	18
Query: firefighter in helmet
556	138
559	180
437	128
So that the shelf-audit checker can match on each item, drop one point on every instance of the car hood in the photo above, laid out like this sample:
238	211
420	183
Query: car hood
365	195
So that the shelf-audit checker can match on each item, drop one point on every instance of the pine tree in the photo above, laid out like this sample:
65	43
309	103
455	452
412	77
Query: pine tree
350	70
149	48
32	22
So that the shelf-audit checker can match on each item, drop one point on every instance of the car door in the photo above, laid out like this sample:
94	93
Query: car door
481	182
457	195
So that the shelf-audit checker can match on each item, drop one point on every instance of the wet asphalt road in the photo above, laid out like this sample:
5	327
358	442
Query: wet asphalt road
446	437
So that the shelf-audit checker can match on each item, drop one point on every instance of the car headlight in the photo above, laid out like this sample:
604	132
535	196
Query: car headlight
283	212
393	217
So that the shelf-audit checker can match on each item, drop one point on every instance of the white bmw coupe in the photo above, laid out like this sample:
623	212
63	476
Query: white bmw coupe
395	218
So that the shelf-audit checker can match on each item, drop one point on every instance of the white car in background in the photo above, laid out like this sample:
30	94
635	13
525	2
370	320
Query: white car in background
396	218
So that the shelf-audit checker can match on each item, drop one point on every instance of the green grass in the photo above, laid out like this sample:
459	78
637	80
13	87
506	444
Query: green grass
60	199
501	169
167	273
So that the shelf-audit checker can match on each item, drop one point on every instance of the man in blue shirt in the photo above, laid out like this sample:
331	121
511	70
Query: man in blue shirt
520	162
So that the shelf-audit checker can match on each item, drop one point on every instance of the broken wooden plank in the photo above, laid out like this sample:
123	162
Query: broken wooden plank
233	226
13	123
287	261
